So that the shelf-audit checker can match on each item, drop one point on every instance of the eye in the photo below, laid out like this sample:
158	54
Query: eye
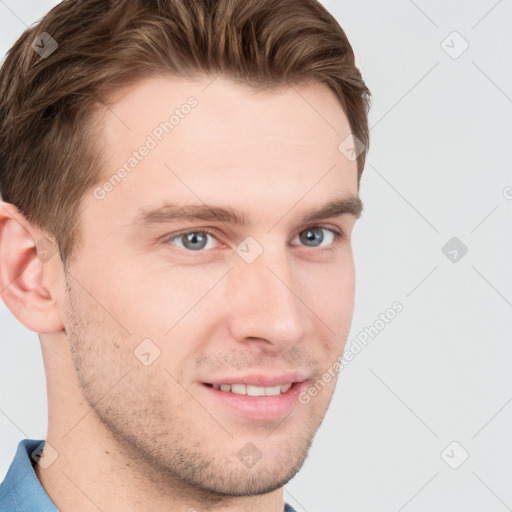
313	237
195	240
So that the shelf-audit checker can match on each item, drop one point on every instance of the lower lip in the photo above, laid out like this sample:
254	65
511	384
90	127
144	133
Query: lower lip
258	407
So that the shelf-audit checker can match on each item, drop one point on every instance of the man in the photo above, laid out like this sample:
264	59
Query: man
180	181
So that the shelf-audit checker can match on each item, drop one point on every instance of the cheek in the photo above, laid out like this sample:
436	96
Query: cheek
175	299
171	307
328	290
147	299
99	346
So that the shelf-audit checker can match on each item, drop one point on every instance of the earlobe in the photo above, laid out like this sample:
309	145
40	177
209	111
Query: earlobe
24	252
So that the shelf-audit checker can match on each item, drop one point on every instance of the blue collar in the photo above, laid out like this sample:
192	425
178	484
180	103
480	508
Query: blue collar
21	490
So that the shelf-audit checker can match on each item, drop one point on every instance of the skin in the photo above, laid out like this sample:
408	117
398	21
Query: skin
134	437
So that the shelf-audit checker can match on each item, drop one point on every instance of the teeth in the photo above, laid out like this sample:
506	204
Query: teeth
242	389
239	389
255	390
286	387
275	390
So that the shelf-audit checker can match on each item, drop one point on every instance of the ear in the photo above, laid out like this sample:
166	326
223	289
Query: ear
26	256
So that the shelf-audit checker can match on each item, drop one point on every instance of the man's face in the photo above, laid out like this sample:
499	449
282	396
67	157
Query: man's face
271	297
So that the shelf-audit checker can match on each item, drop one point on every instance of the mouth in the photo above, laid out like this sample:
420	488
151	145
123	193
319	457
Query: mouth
252	390
255	402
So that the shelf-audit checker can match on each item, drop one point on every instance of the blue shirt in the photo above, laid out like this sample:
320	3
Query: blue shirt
21	490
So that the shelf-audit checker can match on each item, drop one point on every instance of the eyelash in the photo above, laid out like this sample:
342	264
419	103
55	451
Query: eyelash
338	235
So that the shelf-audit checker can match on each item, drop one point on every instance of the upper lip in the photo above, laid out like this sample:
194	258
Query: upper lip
260	379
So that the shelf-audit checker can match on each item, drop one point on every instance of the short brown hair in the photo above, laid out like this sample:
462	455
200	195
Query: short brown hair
48	155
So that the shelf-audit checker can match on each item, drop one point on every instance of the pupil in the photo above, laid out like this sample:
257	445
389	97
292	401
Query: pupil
194	239
313	235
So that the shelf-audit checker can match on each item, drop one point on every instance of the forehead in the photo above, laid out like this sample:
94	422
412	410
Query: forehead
168	138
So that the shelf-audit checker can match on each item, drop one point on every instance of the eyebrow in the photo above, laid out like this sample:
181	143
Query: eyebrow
170	212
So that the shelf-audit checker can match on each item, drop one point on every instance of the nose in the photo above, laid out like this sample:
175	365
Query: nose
265	305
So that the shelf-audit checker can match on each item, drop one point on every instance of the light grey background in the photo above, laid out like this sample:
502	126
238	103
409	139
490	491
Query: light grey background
438	167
